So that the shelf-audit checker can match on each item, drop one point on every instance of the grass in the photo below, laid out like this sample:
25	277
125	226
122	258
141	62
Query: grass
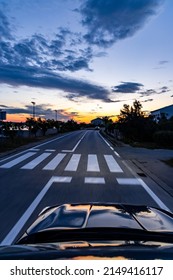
11	144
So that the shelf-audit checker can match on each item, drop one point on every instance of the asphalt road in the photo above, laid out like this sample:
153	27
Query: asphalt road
78	167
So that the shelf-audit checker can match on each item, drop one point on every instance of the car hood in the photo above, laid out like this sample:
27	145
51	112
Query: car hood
79	216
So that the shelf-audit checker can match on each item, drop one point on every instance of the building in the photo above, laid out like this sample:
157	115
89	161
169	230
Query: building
166	111
97	122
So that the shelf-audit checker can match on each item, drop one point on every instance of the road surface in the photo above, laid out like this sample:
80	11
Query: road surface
78	167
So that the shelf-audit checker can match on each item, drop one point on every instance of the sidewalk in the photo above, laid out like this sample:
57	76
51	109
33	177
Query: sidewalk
149	161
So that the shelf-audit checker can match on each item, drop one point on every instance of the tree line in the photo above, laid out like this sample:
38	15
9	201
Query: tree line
132	124
135	126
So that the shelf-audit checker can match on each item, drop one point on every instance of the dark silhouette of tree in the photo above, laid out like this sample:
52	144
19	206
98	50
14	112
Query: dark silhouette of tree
134	124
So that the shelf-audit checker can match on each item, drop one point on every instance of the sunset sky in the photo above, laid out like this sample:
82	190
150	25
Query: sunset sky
84	58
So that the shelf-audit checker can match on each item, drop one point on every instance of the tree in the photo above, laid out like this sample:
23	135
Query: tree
32	125
133	123
108	123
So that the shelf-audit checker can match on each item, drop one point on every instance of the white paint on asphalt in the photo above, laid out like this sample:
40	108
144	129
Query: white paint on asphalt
117	154
32	164
34	148
75	147
73	163
92	164
105	141
112	164
11	236
148	190
109	146
17	160
62	179
153	195
50	141
128	181
54	162
94	180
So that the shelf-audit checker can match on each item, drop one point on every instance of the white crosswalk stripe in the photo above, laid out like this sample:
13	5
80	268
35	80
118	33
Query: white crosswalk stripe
93	164
92	160
54	162
112	164
73	163
32	164
17	160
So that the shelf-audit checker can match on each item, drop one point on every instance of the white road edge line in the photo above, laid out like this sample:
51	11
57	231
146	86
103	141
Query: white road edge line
148	190
117	154
8	240
109	146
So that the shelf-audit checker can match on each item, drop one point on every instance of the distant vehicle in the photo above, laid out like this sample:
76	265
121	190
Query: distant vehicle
97	128
96	231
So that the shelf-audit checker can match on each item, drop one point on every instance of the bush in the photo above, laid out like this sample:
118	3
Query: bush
163	138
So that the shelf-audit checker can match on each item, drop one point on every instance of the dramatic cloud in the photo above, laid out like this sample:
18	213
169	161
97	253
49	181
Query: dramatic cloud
5	30
41	110
61	53
130	87
36	77
109	21
127	87
164	89
149	92
147	100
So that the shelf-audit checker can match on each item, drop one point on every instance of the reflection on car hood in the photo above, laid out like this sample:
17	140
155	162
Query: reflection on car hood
78	216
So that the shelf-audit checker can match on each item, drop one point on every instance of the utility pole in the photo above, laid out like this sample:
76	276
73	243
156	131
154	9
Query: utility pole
33	111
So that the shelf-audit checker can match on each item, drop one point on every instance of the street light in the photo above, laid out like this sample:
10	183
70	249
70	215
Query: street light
56	114
33	111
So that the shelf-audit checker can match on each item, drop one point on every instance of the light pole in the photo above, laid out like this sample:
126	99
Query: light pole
33	111
56	115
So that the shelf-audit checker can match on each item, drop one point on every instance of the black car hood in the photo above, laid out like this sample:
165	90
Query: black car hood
79	216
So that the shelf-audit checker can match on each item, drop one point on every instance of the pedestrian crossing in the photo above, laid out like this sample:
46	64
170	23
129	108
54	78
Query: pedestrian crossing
32	159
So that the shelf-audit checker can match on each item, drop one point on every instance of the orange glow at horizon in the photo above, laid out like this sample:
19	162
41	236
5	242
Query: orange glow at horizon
17	117
80	119
89	118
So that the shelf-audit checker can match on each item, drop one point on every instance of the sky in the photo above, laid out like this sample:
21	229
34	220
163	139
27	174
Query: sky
83	59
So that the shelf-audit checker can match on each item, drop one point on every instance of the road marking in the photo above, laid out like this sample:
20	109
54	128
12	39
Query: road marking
34	150
62	179
109	146
50	141
50	150
54	162
11	236
92	164
153	195
71	151
128	181
112	164
117	154
94	180
32	164
73	163
17	160
105	141
148	190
